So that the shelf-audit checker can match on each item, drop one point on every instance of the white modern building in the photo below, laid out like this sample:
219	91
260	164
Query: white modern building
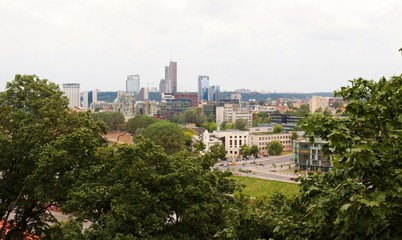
72	92
133	83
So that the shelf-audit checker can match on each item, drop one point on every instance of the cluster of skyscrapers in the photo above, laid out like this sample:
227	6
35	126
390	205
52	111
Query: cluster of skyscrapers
136	97
206	92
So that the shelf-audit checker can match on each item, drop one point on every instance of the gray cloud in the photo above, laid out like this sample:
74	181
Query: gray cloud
264	45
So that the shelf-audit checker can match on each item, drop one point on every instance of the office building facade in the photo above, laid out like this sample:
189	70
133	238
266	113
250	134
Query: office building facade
171	77
72	92
203	86
133	83
214	93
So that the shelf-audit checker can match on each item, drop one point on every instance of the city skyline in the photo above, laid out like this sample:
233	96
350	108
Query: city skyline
290	46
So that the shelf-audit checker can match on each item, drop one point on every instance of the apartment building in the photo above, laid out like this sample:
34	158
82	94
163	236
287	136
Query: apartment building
317	102
310	156
230	113
260	139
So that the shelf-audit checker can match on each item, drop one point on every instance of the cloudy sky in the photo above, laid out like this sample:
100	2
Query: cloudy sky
271	45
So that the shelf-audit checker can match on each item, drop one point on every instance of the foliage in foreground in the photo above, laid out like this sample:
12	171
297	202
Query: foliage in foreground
140	191
43	147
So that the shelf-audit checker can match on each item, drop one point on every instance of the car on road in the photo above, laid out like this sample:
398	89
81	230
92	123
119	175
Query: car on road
293	178
261	165
271	170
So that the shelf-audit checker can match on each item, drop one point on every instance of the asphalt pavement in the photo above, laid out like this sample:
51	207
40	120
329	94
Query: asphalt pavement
265	168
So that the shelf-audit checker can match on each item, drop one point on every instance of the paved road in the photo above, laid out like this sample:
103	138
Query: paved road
266	168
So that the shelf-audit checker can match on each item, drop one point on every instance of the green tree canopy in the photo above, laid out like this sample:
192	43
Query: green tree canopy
327	112
166	134
360	198
113	120
191	115
43	147
294	136
338	104
241	124
254	150
139	122
275	147
225	125
210	126
302	111
245	150
277	129
219	151
140	192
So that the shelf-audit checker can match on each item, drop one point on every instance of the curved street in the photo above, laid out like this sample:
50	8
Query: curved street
271	168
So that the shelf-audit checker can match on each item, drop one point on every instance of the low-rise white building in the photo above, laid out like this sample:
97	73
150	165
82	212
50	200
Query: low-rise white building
233	140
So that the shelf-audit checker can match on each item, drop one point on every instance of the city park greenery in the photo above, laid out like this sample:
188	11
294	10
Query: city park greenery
53	156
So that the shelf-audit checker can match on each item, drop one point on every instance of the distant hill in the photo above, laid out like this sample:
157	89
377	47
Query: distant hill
107	96
273	96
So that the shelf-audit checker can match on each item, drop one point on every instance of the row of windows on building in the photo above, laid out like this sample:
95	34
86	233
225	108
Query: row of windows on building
283	142
235	143
239	136
270	138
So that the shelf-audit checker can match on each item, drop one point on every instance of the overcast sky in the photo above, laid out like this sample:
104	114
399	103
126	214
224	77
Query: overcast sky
283	46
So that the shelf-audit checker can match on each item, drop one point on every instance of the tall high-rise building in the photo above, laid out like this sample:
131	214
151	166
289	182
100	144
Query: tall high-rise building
162	86
171	77
144	94
214	93
203	85
72	92
133	83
